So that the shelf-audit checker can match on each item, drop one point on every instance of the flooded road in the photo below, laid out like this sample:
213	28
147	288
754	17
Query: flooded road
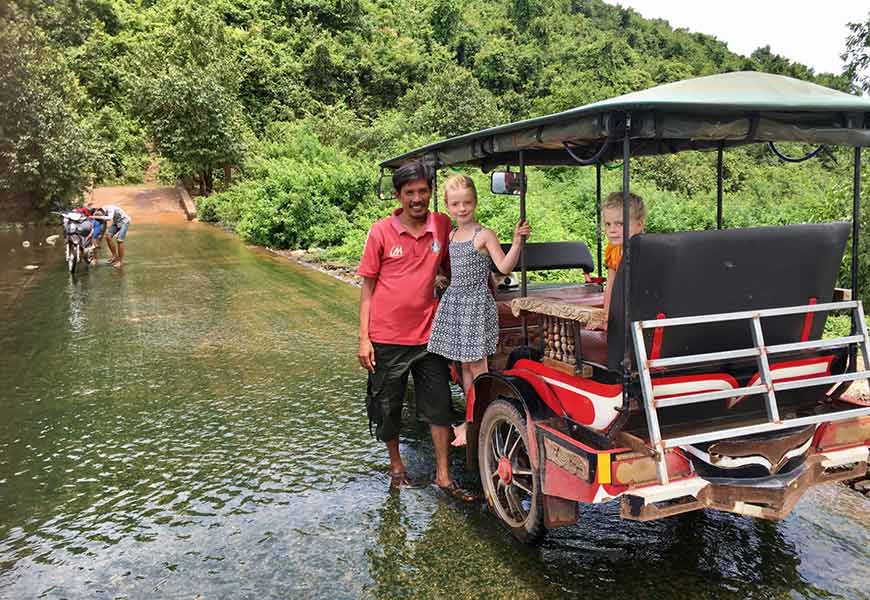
193	426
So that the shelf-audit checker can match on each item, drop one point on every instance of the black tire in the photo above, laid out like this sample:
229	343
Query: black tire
516	502
72	257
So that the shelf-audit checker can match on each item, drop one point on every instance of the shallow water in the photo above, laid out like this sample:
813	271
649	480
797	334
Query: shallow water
193	425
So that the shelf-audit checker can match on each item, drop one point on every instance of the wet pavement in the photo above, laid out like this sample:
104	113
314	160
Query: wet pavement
193	425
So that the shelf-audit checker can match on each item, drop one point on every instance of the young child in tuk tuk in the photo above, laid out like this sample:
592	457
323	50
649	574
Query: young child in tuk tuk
611	218
465	327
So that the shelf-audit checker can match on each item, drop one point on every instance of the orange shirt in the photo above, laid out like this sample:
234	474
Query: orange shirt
403	301
612	256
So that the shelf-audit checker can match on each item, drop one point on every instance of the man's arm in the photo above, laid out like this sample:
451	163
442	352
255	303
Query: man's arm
366	353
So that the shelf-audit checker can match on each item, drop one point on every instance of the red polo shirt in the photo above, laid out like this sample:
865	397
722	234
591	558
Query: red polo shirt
403	302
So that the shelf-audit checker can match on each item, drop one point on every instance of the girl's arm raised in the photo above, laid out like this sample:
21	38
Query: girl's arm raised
505	263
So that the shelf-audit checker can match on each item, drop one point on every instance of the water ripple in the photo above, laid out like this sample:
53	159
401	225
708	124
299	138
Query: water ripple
199	429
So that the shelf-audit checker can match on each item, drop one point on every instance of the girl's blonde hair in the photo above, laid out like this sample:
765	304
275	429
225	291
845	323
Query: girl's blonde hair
459	182
635	204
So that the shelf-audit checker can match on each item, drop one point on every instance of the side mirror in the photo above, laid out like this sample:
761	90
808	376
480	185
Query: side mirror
505	182
385	188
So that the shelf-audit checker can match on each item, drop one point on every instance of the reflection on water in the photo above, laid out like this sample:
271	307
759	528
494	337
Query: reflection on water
194	425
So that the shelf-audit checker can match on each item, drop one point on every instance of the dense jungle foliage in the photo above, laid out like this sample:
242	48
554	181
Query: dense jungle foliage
300	99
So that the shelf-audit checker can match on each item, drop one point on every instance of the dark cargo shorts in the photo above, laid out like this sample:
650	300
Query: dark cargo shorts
387	385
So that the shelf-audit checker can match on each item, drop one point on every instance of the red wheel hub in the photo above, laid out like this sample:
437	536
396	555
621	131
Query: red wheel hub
505	472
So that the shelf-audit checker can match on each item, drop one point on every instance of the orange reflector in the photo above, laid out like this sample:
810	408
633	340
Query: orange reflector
603	467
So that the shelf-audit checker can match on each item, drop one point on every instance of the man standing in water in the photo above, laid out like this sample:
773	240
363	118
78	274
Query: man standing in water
118	222
402	255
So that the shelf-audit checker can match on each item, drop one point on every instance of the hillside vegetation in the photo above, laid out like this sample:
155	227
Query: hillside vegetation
300	99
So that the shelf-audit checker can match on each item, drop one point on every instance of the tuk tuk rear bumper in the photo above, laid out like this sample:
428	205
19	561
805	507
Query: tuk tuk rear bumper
765	498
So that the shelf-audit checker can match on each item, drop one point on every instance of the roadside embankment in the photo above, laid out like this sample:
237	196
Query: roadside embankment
314	259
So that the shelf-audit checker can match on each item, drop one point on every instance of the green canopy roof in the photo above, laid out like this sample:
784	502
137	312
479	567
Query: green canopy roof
702	113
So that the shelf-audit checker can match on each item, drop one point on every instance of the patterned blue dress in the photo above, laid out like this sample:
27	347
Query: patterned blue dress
466	323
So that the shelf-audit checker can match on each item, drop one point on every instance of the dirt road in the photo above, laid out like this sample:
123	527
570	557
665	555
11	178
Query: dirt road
144	203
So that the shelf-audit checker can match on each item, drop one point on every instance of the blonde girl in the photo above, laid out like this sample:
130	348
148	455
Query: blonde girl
465	328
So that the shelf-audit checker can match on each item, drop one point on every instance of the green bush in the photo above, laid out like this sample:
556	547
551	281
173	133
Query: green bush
297	192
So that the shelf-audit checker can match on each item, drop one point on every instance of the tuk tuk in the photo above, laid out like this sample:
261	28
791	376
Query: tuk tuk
712	386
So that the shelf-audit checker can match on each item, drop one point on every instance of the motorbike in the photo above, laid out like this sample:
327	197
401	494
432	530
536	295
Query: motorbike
77	230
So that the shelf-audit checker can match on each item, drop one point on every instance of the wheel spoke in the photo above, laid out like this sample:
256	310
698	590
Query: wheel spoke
513	449
526	472
493	450
496	445
501	441
507	438
514	504
521	486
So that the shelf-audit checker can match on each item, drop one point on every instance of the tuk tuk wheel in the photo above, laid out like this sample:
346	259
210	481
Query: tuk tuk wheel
511	486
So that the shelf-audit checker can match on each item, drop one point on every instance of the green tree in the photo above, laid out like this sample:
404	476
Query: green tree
451	102
857	54
446	19
186	87
49	152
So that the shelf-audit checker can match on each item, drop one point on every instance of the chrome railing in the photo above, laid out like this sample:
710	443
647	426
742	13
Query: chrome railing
765	386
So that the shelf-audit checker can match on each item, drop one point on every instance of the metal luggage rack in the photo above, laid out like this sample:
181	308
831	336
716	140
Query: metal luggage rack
766	386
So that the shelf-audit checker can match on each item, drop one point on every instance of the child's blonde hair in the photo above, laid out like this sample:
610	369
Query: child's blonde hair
459	182
635	204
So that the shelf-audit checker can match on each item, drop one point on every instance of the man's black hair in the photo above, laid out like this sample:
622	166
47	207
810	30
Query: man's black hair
412	171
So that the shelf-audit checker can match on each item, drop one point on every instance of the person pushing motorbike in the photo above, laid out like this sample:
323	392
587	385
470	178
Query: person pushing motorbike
117	222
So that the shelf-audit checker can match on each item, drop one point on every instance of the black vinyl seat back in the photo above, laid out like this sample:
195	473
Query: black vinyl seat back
543	256
704	272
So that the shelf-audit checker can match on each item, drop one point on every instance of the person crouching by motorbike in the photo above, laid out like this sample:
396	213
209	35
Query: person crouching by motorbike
97	233
117	222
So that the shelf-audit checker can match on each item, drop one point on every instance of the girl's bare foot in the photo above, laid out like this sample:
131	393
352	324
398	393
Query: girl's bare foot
459	435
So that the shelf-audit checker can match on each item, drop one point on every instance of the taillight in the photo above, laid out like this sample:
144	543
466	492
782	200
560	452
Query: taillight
842	434
633	468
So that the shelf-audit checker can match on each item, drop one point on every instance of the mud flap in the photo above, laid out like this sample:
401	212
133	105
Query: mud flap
559	512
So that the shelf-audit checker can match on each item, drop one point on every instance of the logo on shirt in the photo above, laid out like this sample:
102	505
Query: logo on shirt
436	247
397	251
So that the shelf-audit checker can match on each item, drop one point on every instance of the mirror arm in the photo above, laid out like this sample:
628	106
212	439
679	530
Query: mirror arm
591	160
791	159
378	188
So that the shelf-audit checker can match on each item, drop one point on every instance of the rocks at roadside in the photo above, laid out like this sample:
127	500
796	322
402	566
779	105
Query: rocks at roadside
862	486
314	258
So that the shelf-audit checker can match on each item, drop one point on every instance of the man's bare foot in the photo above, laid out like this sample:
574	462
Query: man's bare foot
459	435
117	264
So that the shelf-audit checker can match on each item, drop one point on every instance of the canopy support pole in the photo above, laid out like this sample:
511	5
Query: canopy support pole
719	175
856	209
435	187
626	262
598	212
523	280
